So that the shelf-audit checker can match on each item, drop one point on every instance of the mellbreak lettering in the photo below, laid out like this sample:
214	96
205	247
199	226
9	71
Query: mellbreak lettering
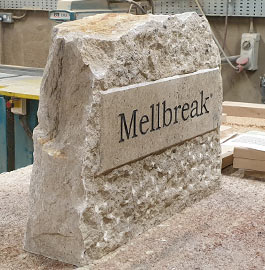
160	116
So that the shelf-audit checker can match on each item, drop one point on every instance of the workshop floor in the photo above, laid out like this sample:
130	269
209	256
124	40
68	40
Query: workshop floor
223	231
14	189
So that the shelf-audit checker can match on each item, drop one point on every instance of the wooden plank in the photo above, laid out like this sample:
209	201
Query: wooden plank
241	109
226	131
254	175
227	156
249	164
224	118
249	153
227	159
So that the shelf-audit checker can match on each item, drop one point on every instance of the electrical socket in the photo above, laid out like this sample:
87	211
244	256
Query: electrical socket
250	49
6	17
20	106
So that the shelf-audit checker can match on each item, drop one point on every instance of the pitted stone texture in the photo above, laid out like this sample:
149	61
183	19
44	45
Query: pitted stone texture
135	197
76	216
143	48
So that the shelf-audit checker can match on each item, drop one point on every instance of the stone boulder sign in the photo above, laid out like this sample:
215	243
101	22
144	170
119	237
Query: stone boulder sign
128	131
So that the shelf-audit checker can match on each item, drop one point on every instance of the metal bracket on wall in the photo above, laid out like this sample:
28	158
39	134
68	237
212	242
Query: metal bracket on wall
242	8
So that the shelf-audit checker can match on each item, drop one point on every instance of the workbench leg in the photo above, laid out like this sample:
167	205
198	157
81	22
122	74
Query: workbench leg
23	143
3	137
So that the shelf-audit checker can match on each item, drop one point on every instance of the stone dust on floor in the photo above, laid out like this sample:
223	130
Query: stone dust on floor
14	189
224	231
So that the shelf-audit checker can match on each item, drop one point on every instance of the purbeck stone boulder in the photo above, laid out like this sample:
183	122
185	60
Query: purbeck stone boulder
128	131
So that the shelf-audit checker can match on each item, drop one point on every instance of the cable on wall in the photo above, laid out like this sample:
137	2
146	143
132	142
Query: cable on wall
216	41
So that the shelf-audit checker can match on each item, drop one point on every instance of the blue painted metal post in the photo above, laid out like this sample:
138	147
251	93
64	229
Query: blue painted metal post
3	137
23	143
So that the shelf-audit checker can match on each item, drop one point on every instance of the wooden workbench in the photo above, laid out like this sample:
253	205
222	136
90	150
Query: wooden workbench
20	82
24	83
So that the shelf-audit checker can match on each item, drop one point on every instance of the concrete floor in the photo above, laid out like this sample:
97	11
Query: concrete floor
223	231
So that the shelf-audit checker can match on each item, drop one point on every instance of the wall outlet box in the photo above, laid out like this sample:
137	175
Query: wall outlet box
250	49
20	106
6	17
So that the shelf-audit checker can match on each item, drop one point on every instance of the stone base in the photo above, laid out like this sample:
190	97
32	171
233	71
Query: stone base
125	202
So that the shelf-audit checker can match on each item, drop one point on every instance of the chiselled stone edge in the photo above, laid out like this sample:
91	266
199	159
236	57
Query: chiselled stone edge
118	89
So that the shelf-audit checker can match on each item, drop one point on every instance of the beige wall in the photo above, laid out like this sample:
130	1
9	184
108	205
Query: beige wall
26	43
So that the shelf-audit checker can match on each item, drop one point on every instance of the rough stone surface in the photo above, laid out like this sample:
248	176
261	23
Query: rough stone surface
75	215
225	231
